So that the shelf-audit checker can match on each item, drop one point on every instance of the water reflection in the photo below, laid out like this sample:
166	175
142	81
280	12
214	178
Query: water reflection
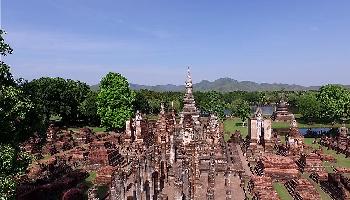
310	132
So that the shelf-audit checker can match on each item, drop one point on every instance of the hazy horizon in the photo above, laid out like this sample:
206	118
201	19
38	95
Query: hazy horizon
296	42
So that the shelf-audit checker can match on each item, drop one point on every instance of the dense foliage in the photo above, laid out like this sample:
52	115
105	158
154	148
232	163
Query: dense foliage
115	101
211	102
17	117
240	108
335	102
88	109
309	106
58	96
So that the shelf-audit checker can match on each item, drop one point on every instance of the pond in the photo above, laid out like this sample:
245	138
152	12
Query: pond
318	131
310	132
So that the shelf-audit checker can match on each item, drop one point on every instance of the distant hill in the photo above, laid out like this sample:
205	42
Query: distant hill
224	85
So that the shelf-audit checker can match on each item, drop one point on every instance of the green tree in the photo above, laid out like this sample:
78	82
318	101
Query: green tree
309	106
88	108
335	101
16	115
211	102
141	102
241	109
115	101
58	96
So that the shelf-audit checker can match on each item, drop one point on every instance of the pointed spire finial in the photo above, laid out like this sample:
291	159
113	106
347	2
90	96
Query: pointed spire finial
189	78
188	73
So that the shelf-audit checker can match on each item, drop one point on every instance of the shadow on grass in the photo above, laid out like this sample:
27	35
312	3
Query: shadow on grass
239	124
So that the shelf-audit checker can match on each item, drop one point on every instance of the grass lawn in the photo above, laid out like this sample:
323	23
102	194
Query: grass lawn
282	191
101	190
341	160
95	129
92	176
233	124
308	142
302	124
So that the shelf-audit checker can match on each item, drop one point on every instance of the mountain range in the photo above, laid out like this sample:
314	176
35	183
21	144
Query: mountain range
224	85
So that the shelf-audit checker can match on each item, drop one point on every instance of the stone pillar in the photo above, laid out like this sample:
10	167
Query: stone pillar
128	130
172	150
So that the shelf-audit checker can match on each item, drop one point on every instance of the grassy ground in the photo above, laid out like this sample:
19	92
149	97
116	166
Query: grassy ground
282	191
341	160
101	190
92	176
233	124
302	124
309	142
95	129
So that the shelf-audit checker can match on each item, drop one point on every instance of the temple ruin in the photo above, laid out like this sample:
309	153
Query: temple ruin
185	158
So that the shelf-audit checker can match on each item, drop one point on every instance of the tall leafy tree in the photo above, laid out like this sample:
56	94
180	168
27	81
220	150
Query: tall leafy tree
16	115
88	108
141	102
335	101
241	109
309	106
58	96
211	102
115	101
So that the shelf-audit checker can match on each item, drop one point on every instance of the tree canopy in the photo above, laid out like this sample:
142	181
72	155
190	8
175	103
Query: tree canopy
335	102
115	101
58	96
16	117
211	102
309	106
241	109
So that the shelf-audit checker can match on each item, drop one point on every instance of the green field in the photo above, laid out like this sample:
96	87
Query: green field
92	176
301	124
282	191
93	128
341	160
233	124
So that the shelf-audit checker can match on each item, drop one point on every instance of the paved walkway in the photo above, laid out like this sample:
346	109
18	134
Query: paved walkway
244	161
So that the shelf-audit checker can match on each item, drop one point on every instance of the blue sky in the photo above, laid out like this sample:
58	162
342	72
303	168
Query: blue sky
151	41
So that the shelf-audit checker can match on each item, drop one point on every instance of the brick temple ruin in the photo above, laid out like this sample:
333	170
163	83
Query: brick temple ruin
183	156
281	113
